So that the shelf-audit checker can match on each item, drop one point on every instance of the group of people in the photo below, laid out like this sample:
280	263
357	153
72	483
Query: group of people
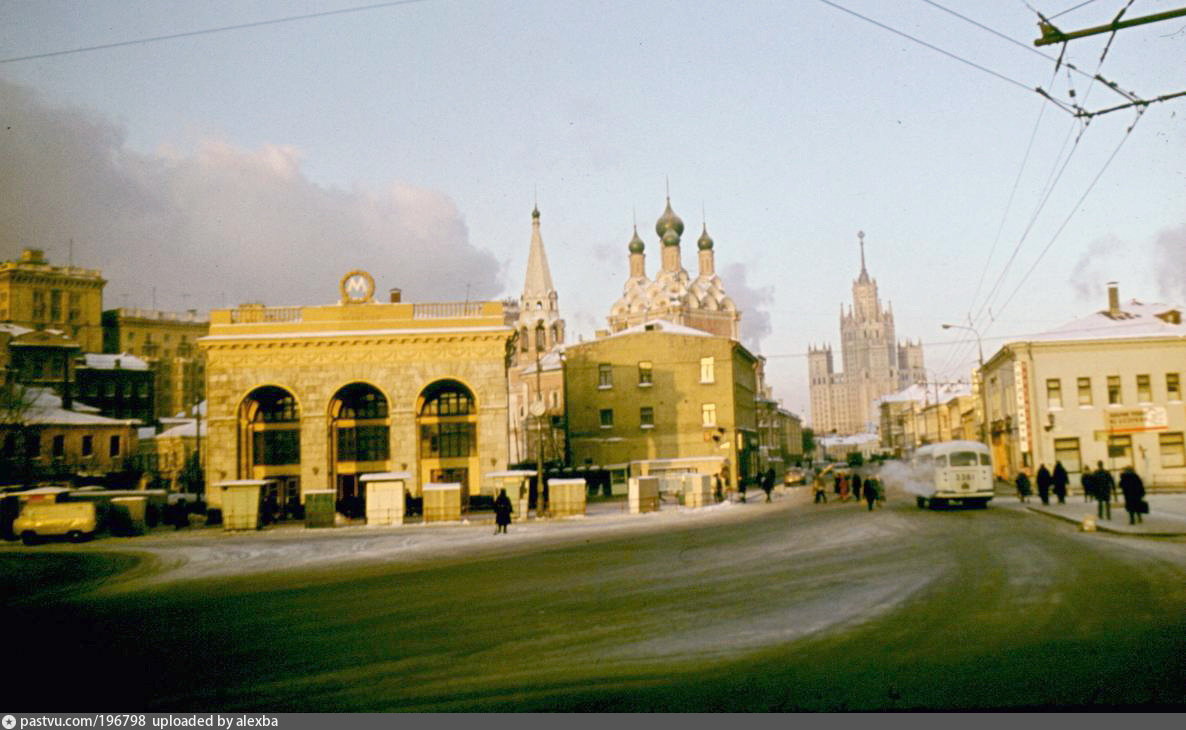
870	489
1098	485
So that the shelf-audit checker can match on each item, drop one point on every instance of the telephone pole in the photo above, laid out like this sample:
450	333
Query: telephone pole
1052	35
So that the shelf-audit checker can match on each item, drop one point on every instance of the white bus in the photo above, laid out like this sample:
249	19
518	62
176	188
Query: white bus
953	472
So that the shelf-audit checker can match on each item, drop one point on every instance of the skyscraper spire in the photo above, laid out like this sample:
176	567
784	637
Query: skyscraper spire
864	277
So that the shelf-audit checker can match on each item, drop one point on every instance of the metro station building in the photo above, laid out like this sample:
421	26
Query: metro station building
314	397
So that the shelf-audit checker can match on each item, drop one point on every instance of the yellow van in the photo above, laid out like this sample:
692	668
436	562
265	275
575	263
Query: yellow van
76	521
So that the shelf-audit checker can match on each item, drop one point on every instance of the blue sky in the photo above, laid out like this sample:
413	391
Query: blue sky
411	141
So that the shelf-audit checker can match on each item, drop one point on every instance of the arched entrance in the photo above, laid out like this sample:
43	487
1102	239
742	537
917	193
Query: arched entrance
359	442
270	448
447	421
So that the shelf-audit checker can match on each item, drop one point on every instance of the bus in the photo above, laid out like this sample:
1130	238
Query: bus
951	473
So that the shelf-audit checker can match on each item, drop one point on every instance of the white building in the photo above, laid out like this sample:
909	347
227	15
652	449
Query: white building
1106	387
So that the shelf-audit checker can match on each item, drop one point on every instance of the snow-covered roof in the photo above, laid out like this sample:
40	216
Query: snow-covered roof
182	415
13	329
920	393
46	409
187	429
122	361
660	325
855	439
1135	319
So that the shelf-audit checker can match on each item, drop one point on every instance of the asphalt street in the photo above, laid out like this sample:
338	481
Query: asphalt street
771	607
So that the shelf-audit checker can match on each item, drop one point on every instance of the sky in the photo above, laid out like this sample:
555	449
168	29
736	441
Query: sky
412	140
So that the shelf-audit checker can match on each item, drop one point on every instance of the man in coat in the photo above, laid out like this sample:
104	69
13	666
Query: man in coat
1044	482
1133	490
1105	486
502	512
1061	480
870	491
1023	485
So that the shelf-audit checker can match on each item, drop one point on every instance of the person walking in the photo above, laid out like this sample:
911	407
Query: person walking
1105	487
821	492
1133	490
844	487
870	491
1023	485
857	494
1044	483
768	483
1060	480
1087	481
502	512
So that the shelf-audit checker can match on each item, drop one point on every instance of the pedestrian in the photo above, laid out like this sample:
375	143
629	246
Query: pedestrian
1044	483
742	483
856	488
1105	487
1087	481
836	484
844	487
768	483
870	491
502	512
1133	490
821	493
718	493
1023	485
1061	480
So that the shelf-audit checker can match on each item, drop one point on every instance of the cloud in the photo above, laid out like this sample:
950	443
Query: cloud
752	301
219	225
1169	259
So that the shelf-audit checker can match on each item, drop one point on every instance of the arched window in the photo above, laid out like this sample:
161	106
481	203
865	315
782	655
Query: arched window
540	337
447	423
359	413
272	419
523	340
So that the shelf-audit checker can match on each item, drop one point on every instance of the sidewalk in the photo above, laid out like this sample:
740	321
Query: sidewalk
1166	518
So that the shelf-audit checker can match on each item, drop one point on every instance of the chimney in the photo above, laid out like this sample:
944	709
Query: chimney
1113	299
396	294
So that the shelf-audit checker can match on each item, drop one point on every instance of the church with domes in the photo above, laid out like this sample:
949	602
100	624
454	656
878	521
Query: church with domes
674	295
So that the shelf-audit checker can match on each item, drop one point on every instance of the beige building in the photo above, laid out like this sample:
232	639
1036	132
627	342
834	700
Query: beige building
536	377
168	458
314	397
660	398
39	295
1106	387
167	341
926	414
874	363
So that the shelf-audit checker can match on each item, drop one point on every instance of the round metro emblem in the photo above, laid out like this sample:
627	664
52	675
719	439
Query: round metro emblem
357	287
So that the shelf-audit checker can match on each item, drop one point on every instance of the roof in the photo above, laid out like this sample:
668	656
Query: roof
855	439
121	361
187	428
46	410
659	325
1135	319
920	393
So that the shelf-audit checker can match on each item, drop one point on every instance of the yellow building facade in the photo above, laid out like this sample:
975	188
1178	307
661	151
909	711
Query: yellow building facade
315	397
662	398
168	342
39	295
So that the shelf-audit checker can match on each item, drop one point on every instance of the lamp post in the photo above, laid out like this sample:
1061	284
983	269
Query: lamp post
983	394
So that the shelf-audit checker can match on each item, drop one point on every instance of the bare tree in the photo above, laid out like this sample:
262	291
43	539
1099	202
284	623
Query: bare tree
16	406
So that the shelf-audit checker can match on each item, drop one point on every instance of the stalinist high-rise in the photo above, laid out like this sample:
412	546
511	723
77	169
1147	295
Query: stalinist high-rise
874	363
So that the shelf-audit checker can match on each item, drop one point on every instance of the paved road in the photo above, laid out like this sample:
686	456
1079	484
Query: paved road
776	607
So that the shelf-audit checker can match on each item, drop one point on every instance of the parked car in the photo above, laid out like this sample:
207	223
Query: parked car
76	521
795	477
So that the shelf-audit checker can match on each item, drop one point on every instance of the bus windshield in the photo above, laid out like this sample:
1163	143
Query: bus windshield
963	458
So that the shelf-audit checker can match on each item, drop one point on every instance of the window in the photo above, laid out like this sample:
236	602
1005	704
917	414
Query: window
707	370
1172	451
1084	391
1067	451
1114	390
1054	393
1144	390
554	398
33	445
446	440
447	403
646	417
607	417
1173	387
963	458
59	446
708	414
88	445
605	375
1120	450
75	313
38	304
276	447
113	446
645	373
55	305
362	443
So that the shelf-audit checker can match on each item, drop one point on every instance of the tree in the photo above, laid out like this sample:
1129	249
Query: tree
855	459
16	405
808	442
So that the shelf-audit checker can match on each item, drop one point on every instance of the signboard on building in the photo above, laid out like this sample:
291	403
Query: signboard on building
1135	420
1022	392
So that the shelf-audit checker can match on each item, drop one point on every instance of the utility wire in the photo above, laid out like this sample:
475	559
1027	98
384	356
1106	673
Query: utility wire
949	54
1064	12
208	31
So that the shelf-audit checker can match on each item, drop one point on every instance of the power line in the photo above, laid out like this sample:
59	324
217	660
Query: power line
949	54
1064	12
209	31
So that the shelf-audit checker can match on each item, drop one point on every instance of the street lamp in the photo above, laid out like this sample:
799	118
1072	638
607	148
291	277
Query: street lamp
983	394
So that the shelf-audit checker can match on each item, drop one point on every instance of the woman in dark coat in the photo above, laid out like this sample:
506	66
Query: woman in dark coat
1060	482
870	491
857	494
502	512
1023	485
1044	481
1134	494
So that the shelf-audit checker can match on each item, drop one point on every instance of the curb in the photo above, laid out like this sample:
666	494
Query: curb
1099	527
